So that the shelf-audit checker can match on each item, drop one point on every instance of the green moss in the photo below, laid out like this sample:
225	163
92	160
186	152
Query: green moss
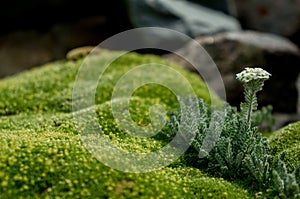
287	140
49	89
50	164
42	155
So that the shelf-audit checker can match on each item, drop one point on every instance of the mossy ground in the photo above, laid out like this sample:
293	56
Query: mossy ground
42	155
287	140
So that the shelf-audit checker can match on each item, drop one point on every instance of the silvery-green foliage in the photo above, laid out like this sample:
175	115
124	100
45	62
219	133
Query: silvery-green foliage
240	151
251	103
256	162
263	118
230	144
187	124
284	183
212	133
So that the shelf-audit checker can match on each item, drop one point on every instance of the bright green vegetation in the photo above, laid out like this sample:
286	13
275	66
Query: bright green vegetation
48	164
50	89
42	156
287	140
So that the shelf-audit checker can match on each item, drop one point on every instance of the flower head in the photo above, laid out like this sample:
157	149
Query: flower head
249	74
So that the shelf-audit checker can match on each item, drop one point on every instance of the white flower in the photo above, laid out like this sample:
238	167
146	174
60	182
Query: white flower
249	74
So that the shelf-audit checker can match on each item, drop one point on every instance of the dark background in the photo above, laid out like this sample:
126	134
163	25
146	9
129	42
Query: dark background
42	15
34	32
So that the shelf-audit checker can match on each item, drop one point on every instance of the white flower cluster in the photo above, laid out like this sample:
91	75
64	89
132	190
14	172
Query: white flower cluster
249	74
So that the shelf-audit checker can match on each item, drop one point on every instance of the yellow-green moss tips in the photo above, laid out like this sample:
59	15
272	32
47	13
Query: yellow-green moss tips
42	155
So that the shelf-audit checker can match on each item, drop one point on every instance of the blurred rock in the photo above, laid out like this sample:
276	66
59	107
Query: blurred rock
190	18
233	51
275	16
21	50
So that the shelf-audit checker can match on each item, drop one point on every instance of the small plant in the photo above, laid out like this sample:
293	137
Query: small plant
241	153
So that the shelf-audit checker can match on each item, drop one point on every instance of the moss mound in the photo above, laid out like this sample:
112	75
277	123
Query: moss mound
42	155
50	89
287	140
49	164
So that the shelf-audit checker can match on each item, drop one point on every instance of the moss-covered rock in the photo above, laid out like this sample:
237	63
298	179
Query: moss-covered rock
49	164
50	89
287	140
42	155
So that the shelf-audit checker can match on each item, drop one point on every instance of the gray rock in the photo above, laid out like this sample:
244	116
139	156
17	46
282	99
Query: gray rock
276	16
184	16
21	50
234	51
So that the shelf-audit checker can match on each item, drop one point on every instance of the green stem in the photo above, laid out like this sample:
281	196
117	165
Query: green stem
250	107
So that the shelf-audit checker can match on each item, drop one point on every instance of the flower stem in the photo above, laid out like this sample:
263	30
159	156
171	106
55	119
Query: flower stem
250	106
253	79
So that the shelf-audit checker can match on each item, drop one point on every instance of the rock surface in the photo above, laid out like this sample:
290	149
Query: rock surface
233	51
22	50
190	18
276	16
